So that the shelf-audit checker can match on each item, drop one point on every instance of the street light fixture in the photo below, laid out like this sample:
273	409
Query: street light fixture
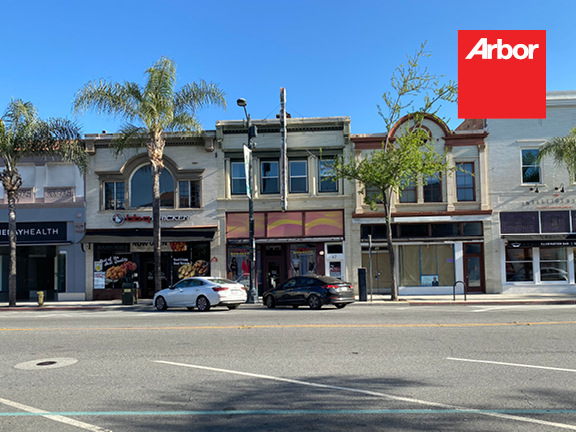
252	133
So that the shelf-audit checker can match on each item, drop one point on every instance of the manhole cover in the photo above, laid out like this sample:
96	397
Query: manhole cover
46	363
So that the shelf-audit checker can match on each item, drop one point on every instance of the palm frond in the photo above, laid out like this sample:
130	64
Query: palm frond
184	122
562	150
114	99
129	136
198	95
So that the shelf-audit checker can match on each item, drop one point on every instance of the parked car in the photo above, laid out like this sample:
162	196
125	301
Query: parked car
202	293
313	291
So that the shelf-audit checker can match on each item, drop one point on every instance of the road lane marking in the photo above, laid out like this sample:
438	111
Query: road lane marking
291	412
377	394
55	417
284	326
511	364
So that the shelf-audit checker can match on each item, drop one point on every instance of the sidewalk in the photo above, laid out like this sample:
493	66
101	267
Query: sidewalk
375	300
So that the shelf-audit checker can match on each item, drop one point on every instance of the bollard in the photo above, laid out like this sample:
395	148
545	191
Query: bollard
40	298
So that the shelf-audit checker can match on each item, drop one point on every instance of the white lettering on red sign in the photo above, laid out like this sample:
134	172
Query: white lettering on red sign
484	49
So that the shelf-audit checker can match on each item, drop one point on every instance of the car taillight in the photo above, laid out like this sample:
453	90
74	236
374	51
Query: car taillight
219	288
330	286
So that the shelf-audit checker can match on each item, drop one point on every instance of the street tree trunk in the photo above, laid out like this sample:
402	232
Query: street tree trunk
386	197
155	153
12	181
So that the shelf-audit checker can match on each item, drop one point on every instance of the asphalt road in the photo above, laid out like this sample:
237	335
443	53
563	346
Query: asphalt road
362	368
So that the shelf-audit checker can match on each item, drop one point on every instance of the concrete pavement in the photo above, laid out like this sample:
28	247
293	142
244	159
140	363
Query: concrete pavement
375	300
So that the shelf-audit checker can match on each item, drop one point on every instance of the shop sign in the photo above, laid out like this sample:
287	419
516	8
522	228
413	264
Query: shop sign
99	280
303	250
239	251
35	232
119	218
149	247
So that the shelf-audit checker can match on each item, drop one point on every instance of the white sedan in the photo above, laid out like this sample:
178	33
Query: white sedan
201	293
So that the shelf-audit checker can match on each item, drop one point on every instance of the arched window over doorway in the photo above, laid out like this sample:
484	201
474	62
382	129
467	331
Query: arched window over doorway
141	188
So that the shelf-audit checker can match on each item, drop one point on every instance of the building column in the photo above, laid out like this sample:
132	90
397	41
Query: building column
483	177
450	181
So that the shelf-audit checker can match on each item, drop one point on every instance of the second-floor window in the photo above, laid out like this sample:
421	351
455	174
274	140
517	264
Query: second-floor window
433	189
465	189
298	176
238	178
189	194
269	179
531	172
408	194
327	182
114	196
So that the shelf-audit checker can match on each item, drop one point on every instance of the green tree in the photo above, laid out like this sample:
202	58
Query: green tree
408	155
23	133
149	113
563	151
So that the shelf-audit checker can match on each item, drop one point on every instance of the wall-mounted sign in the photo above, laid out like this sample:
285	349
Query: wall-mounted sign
119	218
35	232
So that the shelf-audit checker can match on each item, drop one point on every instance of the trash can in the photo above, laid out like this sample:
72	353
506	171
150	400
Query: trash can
362	293
128	294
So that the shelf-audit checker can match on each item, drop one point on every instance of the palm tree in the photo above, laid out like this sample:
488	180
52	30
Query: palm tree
563	151
149	112
23	133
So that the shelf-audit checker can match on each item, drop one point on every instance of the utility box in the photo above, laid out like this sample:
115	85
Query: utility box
362	292
128	294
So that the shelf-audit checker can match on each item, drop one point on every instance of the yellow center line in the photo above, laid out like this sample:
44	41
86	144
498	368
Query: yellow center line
273	326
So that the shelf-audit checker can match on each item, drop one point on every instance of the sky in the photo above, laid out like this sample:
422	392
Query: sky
334	58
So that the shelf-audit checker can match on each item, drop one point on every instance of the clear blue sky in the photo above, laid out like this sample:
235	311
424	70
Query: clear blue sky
334	58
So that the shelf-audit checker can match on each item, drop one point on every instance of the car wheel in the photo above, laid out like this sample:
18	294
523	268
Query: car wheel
161	304
270	303
295	306
232	307
314	302
190	308
203	304
340	305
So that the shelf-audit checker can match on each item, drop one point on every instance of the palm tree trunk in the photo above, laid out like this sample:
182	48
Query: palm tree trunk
156	227
386	197
12	234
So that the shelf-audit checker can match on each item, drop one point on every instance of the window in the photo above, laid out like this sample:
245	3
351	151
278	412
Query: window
553	264
238	178
114	196
519	222
433	189
555	221
519	266
327	182
408	194
269	179
530	166
189	194
141	188
465	190
298	176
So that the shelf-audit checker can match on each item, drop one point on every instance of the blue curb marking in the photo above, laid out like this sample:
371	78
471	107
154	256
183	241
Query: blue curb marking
288	412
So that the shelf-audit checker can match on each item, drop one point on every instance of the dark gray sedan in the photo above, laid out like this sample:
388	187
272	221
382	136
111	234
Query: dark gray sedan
313	291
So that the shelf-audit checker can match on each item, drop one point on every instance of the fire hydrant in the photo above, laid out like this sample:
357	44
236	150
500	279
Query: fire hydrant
40	298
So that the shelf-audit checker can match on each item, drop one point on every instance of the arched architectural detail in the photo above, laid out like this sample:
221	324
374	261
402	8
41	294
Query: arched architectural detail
429	117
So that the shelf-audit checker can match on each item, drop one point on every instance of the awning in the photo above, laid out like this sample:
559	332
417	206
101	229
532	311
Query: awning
136	235
540	240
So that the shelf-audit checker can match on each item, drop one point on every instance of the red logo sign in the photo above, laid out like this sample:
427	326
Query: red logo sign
501	74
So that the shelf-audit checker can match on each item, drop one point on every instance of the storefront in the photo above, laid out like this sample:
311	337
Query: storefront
288	244
121	257
430	256
47	257
539	249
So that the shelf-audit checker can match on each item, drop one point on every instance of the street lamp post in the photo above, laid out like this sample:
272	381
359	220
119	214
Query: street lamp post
252	133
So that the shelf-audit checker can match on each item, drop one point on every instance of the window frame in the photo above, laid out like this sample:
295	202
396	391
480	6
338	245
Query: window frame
290	176
262	178
428	185
335	183
232	178
467	175
198	187
115	195
528	166
412	185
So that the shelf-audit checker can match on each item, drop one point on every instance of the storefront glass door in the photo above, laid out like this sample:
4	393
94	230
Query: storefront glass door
474	267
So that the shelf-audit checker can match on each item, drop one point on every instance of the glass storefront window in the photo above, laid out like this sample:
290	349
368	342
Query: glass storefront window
239	264
427	265
519	265
553	264
302	259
